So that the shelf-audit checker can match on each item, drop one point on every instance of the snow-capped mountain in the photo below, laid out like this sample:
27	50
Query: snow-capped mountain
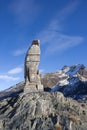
73	82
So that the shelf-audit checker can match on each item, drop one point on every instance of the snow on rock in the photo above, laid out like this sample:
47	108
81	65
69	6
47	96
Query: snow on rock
63	82
82	78
65	69
74	69
60	72
71	82
63	75
67	73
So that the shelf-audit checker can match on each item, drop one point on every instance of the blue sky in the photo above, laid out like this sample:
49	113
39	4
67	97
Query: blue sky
61	27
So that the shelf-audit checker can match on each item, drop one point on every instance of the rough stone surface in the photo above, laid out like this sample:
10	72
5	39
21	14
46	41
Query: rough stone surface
32	76
42	111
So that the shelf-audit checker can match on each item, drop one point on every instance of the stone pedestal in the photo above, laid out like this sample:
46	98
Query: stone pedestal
40	87
33	88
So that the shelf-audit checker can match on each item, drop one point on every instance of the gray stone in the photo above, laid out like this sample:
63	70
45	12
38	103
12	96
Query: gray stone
32	76
42	111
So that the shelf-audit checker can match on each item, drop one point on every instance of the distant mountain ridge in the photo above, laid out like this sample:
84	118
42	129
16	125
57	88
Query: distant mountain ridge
70	80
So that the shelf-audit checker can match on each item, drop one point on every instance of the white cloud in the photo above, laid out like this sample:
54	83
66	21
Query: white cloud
52	36
62	42
41	70
9	78
19	52
24	11
15	70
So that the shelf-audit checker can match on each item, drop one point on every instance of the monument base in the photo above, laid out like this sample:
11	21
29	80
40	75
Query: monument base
31	87
40	87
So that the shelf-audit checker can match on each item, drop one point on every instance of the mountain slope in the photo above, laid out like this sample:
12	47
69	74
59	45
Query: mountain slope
71	81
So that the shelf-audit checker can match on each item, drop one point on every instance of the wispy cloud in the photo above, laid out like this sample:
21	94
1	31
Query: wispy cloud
19	52
24	11
67	11
63	42
41	70
15	70
52	36
9	75
8	78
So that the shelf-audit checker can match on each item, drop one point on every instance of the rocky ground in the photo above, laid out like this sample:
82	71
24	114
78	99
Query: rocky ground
42	111
47	110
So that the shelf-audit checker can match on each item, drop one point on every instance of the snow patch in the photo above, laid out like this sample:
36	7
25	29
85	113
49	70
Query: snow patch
74	69
63	75
63	82
60	72
66	69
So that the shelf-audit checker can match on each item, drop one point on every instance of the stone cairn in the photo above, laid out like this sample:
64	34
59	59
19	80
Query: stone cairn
32	76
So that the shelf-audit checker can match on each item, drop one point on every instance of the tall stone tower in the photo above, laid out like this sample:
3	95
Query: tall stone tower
31	74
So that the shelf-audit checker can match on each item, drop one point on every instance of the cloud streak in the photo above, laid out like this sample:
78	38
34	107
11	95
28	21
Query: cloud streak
63	42
9	76
15	70
67	10
24	11
41	71
52	36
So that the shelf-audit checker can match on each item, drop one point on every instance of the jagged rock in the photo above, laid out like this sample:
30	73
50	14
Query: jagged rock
32	76
46	110
42	111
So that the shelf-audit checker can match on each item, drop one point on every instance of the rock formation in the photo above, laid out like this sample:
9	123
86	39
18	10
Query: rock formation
42	111
45	110
32	76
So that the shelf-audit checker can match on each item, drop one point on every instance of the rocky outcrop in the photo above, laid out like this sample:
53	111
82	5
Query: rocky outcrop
42	111
34	110
32	60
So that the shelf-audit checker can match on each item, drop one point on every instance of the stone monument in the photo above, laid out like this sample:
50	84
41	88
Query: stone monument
31	72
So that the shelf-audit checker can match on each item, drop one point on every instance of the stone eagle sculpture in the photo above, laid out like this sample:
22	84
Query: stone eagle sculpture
31	72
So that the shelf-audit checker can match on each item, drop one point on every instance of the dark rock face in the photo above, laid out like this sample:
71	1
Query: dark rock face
71	81
42	111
